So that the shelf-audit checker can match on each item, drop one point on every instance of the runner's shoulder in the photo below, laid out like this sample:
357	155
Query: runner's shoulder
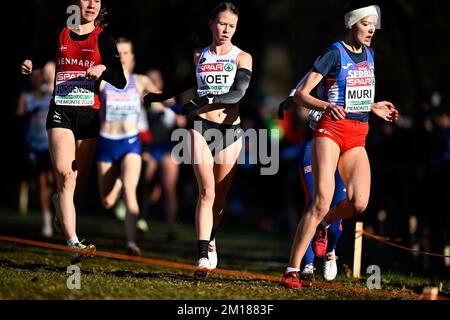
245	60
197	54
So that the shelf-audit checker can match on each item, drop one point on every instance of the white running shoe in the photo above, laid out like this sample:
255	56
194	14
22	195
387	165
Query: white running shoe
212	254
134	251
82	252
330	266
308	273
203	267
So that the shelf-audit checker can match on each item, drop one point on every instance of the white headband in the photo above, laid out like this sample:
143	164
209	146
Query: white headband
356	15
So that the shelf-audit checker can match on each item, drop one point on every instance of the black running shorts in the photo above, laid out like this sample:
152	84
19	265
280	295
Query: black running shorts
84	122
229	134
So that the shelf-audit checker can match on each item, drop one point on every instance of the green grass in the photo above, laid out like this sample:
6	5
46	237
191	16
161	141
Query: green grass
37	273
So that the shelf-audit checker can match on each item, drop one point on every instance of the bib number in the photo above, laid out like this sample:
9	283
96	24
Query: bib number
123	106
359	94
72	89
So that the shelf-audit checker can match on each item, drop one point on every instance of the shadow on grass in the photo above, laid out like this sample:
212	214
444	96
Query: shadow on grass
32	267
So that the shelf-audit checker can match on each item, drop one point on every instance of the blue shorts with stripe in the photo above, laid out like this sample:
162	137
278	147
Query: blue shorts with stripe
113	151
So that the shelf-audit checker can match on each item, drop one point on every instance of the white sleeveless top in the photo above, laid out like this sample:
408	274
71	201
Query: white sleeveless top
216	73
121	105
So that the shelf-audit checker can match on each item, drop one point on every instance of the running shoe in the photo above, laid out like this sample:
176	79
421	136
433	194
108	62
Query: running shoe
307	273
203	268
142	226
330	266
120	210
291	280
134	251
82	252
212	254
320	242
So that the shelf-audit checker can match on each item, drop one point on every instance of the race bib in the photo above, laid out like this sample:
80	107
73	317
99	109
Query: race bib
122	107
359	94
215	78
72	89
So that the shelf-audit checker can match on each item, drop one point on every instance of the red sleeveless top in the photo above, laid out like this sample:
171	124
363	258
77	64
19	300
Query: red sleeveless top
73	59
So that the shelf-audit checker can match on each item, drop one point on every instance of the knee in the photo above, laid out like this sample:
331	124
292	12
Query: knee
320	206
69	180
108	203
207	195
359	205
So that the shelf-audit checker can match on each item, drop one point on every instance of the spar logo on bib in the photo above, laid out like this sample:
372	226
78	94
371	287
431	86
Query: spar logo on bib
211	67
70	75
229	67
355	82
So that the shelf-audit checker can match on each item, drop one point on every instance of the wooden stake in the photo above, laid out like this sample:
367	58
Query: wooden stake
447	253
358	250
23	198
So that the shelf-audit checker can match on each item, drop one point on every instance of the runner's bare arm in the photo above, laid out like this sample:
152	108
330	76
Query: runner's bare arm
145	85
304	98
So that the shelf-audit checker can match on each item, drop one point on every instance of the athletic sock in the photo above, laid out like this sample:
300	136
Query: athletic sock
289	270
72	241
334	234
131	244
309	255
203	248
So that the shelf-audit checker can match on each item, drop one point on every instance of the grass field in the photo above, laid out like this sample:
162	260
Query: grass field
37	273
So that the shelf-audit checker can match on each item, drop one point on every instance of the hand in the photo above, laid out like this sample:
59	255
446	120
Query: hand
336	113
386	111
196	104
94	73
188	108
153	97
26	67
286	105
